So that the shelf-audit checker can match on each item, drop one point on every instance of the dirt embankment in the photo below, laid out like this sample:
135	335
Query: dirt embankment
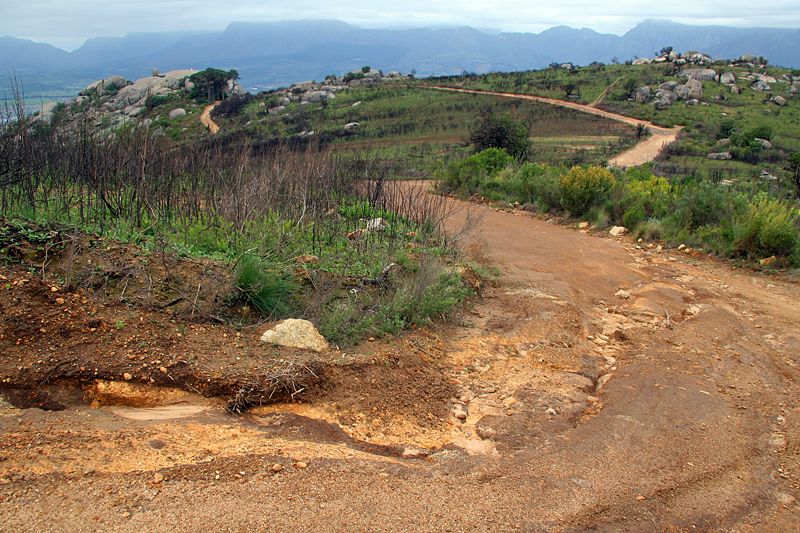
596	385
643	152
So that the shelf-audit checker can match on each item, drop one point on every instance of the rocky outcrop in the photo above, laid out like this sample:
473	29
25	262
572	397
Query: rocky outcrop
761	85
699	74
317	96
642	94
47	114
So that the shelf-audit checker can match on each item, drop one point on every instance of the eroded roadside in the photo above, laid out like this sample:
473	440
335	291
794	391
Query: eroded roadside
595	386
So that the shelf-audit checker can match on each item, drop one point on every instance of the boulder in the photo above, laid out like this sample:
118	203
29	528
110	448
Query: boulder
642	94
177	113
232	88
727	78
296	333
91	88
682	91
276	110
303	86
699	74
350	127
641	61
735	89
673	56
284	101
393	74
722	143
692	83
668	85
317	96
377	224
765	144
749	58
779	100
693	101
666	95
761	85
764	78
566	66
616	231
718	156
47	114
133	110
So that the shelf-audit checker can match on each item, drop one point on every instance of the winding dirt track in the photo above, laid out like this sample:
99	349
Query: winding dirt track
644	151
205	118
671	406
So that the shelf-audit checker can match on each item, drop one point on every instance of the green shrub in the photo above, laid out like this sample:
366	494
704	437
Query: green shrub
759	132
494	131
582	188
491	160
633	216
265	287
699	205
430	292
538	183
768	228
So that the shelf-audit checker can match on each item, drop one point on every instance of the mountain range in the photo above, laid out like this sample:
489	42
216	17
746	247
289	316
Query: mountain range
272	54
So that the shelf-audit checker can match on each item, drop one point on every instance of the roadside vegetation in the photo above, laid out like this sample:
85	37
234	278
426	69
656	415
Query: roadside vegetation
303	233
301	207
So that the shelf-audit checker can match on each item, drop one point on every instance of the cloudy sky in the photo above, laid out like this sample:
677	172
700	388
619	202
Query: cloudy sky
67	24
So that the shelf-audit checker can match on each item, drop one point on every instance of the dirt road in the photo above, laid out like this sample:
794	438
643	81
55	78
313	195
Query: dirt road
205	118
644	151
595	386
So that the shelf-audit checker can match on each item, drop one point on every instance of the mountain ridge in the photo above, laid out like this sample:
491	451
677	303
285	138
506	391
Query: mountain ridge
271	54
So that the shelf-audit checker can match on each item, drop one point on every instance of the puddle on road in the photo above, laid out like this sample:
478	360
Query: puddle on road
166	412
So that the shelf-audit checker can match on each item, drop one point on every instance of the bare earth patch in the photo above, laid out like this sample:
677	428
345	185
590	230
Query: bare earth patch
553	403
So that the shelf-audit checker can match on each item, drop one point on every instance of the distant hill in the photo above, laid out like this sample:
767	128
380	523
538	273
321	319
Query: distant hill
272	54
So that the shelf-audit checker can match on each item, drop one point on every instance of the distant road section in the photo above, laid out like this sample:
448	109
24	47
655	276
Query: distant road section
205	118
643	152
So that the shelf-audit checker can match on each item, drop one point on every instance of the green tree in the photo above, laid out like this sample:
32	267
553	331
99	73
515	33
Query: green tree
493	131
212	82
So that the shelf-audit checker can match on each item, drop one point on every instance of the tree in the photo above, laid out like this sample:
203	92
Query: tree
493	131
569	88
213	80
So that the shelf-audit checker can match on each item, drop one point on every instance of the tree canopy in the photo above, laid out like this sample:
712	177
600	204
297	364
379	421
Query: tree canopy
494	131
212	81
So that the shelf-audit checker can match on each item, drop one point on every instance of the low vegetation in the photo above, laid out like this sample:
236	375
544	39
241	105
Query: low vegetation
308	218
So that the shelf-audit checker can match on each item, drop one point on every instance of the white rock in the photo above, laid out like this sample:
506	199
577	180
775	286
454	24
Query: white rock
616	231
296	333
377	224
